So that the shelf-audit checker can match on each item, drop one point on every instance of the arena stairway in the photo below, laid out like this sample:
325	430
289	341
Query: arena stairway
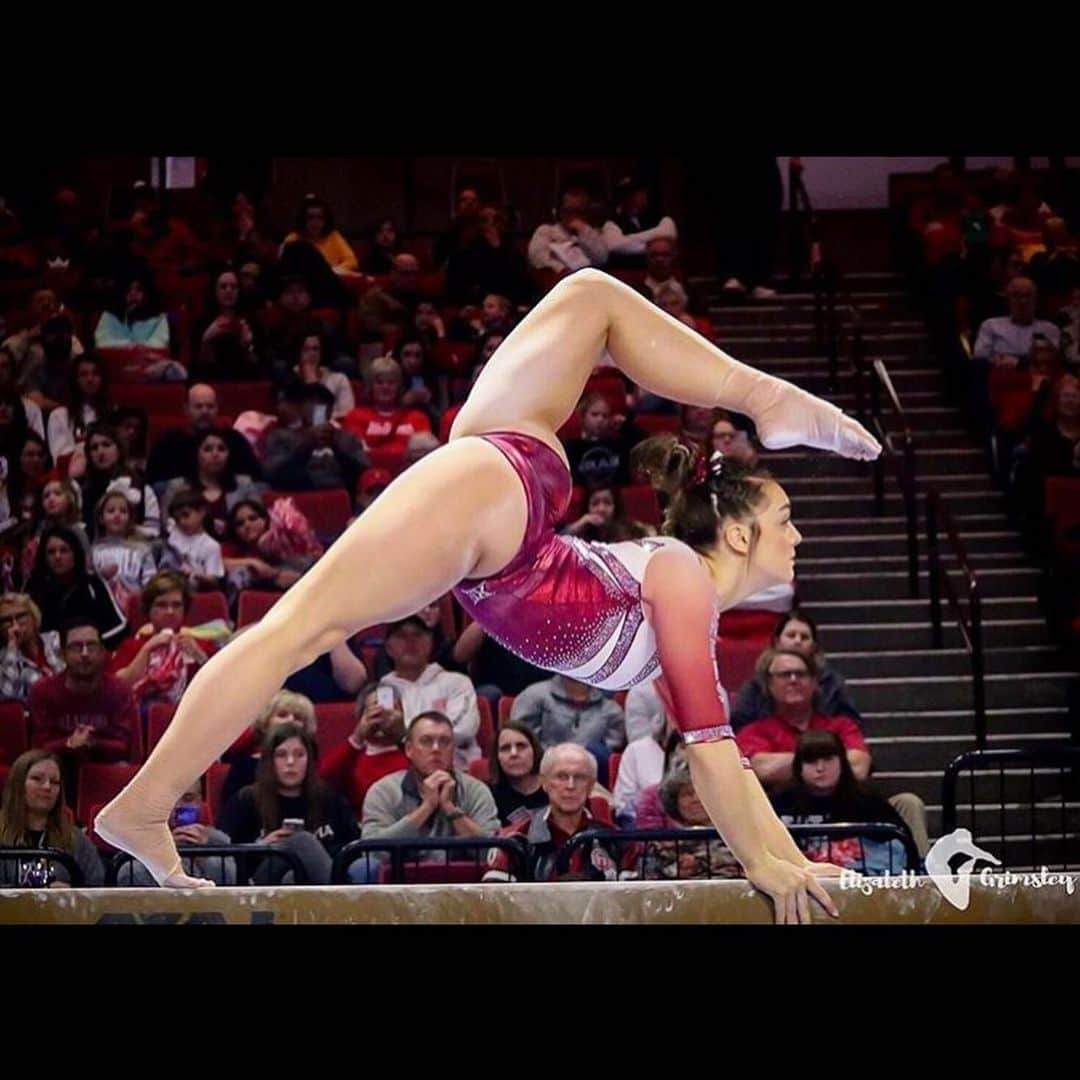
852	570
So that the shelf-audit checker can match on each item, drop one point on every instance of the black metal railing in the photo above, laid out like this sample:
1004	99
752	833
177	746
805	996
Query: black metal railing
247	858
404	861
1055	769
802	225
705	842
873	386
33	867
971	628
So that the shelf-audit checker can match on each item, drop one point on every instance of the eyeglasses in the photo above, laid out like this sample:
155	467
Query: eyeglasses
571	778
789	675
435	742
15	616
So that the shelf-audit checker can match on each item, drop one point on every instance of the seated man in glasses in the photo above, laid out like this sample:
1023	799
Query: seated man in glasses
770	743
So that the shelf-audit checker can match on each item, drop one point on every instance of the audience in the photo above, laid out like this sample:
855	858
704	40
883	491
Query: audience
189	547
315	225
570	243
514	776
28	653
104	468
386	424
644	763
123	560
605	518
627	232
134	319
87	401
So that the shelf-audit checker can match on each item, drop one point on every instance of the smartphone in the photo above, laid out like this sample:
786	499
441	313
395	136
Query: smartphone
188	814
293	824
384	695
318	415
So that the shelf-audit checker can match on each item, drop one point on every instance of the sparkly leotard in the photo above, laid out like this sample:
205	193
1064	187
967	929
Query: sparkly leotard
575	607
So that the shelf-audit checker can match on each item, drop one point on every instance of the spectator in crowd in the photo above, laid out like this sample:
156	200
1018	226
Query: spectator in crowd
496	317
385	424
45	370
601	453
13	432
605	519
372	751
495	671
87	401
567	773
824	789
173	454
34	463
673	804
190	829
671	297
285	707
430	800
316	454
34	815
122	560
162	656
1056	269
370	486
795	630
28	346
661	254
390	307
83	713
189	547
64	589
290	808
315	225
215	478
382	247
419	377
560	709
488	262
515	773
8	384
249	556
56	502
633	225
644	764
770	743
104	467
131	423
732	441
1007	340
425	686
1054	444
420	445
163	242
569	243
28	653
696	424
461	233
311	368
284	324
134	319
227	346
336	675
644	711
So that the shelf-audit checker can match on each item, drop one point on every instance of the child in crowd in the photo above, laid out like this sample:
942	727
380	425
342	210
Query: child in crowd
190	548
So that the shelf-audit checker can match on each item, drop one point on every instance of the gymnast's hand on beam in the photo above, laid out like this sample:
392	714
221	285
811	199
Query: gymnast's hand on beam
824	869
790	889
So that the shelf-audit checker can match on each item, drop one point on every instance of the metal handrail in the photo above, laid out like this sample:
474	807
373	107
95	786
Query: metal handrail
886	830
1062	756
217	851
971	626
64	858
397	848
901	461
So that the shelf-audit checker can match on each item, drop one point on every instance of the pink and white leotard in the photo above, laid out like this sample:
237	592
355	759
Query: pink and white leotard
575	607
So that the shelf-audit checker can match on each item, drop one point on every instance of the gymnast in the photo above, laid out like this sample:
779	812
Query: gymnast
478	516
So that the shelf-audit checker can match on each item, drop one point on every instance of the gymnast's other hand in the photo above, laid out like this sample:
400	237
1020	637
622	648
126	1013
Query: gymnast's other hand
789	888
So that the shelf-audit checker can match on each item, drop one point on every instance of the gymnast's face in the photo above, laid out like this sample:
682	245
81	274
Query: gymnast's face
772	554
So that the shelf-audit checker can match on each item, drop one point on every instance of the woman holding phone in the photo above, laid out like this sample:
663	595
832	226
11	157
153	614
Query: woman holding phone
288	806
610	615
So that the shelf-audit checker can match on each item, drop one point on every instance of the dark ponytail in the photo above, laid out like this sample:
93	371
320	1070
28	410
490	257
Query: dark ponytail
700	497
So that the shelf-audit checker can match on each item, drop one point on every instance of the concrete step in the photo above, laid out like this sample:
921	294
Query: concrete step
860	528
967	489
871	564
828	612
896	752
1015	690
866	631
929	459
843	585
768	343
1002	725
988	787
912	663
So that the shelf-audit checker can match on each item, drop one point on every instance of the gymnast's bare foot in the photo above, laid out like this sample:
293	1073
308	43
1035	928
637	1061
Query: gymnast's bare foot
787	416
150	842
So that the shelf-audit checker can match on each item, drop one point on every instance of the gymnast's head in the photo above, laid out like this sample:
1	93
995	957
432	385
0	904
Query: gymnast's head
723	509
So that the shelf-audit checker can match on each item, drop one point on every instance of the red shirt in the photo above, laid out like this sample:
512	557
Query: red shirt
128	649
353	771
55	712
774	735
380	430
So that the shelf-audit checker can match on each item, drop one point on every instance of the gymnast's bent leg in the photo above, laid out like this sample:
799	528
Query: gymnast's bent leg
535	378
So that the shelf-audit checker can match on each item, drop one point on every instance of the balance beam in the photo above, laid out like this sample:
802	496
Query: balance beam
917	902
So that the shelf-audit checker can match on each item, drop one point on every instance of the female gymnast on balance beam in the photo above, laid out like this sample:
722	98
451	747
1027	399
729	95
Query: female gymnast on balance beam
478	516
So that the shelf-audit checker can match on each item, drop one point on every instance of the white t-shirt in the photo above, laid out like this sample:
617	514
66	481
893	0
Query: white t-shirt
201	552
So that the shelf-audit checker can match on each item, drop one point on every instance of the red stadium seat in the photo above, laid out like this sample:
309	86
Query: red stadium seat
747	623
736	660
506	704
657	423
159	717
327	511
613	769
1012	397
165	399
206	606
390	460
485	736
447	422
613	387
480	769
1062	504
335	721
454	357
214	786
253	605
640	504
600	809
100	784
4	770
14	731
238	397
